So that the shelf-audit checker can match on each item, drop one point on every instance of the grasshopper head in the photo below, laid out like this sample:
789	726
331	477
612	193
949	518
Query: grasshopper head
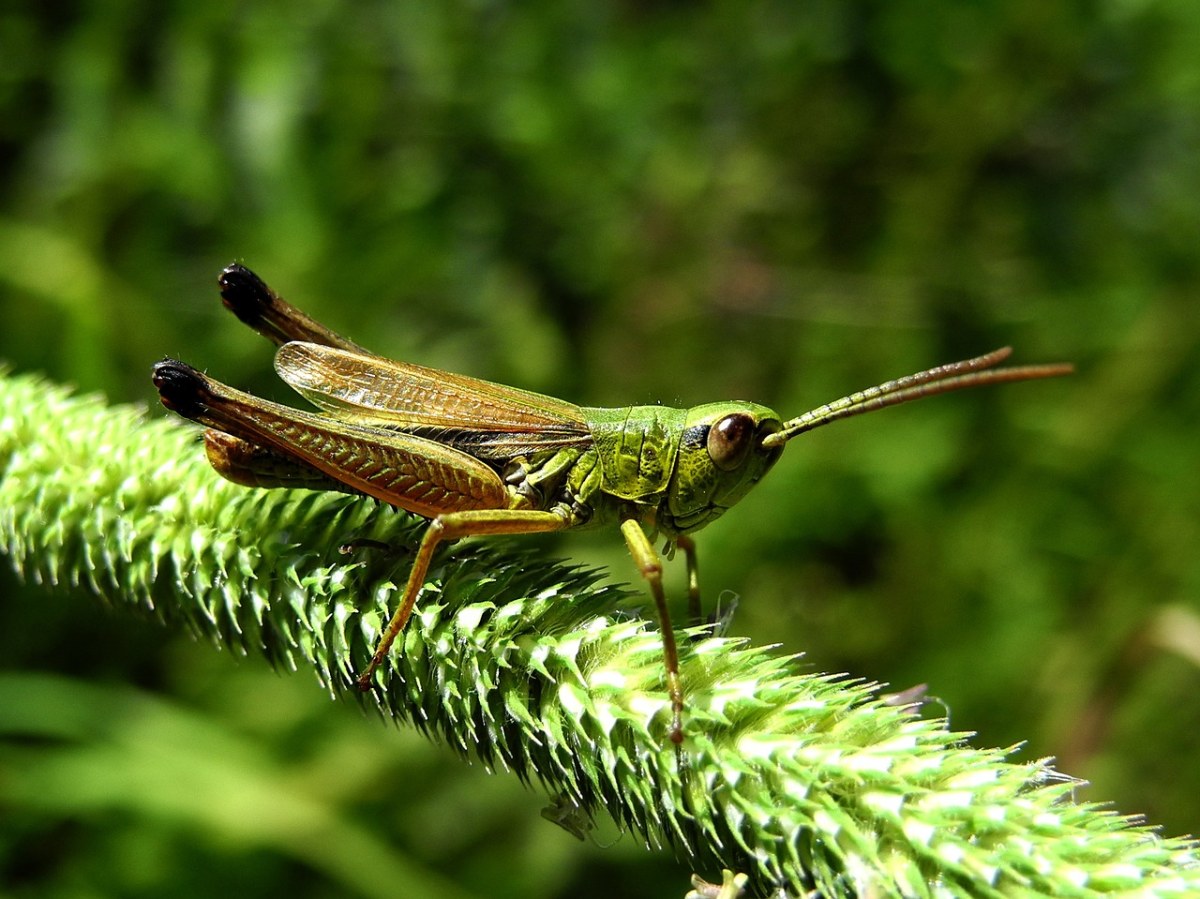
721	456
726	448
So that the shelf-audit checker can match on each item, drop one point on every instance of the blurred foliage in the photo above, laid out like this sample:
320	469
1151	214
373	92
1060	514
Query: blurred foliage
622	203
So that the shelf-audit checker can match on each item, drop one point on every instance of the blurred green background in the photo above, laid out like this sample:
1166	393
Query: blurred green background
623	203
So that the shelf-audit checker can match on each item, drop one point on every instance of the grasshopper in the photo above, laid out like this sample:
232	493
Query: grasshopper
479	459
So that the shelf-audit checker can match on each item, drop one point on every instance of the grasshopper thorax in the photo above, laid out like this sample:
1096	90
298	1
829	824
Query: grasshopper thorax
721	456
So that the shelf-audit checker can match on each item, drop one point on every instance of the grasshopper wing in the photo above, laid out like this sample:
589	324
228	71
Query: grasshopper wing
368	389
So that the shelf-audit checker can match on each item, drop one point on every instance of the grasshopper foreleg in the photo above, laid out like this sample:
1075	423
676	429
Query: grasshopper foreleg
688	545
650	564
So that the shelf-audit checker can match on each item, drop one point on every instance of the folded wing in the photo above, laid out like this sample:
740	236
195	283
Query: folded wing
372	390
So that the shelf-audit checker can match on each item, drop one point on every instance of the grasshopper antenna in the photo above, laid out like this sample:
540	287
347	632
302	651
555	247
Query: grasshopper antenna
942	379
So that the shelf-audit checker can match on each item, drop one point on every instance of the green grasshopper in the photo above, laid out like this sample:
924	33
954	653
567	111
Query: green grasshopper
480	459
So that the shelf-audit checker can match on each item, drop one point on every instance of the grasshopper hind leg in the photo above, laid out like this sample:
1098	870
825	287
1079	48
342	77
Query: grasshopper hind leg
248	297
251	465
454	526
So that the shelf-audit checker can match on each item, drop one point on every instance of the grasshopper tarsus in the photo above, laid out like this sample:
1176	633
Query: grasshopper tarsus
677	729
365	681
352	546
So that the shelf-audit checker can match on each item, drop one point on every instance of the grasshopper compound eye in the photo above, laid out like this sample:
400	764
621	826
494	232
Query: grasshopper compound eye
730	440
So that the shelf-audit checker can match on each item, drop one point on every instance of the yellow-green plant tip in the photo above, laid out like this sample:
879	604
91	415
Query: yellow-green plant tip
804	782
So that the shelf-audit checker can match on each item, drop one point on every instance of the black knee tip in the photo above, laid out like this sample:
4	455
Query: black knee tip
180	387
244	293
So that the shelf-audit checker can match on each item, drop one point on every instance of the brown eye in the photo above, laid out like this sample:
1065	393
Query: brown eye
730	439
